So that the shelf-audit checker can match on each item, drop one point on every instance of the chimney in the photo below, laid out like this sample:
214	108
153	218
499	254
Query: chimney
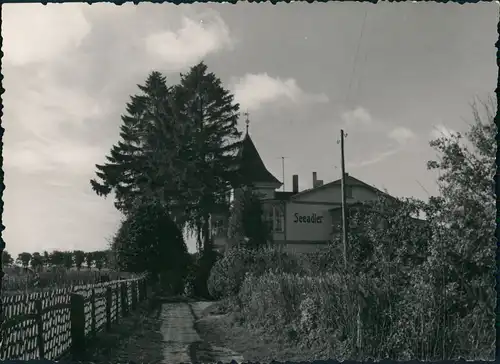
295	183
315	179
319	183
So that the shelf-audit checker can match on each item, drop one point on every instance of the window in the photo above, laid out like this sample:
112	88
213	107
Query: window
348	191
269	218
278	219
274	217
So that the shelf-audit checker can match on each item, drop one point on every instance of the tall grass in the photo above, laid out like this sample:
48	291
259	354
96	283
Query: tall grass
354	316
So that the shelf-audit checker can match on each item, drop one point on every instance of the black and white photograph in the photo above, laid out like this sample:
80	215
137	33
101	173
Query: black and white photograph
249	182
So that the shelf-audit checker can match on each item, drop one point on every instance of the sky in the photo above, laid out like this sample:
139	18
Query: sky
392	75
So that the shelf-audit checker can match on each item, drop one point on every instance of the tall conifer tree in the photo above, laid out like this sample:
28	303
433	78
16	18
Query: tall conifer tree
134	164
212	115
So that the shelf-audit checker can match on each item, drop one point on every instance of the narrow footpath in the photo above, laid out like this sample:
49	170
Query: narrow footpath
181	342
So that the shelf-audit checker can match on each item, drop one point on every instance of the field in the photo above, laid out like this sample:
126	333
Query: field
20	281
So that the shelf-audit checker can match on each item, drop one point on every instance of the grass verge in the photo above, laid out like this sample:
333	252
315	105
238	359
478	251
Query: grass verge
227	330
136	338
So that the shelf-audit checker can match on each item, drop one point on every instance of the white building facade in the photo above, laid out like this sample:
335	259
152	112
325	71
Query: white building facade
302	221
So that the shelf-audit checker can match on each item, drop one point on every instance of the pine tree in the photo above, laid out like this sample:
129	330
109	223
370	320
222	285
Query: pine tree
133	165
210	146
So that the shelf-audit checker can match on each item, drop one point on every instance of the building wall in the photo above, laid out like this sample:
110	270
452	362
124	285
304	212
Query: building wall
308	222
317	205
265	193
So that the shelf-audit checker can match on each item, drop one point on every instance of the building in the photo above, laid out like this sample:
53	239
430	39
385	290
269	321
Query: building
302	221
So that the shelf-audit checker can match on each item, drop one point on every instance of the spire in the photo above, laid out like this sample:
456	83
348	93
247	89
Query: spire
251	166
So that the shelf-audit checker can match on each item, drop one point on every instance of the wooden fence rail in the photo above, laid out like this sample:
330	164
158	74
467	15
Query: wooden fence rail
50	324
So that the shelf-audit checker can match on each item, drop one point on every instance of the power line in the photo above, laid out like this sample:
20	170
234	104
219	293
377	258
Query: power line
356	57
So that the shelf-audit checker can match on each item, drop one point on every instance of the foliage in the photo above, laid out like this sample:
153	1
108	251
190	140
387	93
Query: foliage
46	258
177	146
130	167
210	145
411	285
67	259
228	273
100	258
79	256
57	258
36	261
247	221
201	271
149	241
319	311
7	259
89	259
24	259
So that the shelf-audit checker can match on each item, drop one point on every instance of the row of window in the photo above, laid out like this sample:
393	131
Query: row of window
276	219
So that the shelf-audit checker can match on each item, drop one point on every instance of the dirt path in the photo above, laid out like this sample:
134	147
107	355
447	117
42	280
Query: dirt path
181	342
178	332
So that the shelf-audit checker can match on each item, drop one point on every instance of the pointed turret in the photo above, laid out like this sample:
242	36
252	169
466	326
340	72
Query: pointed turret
251	166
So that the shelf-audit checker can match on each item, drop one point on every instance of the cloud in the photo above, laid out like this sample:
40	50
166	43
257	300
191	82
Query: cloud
377	158
402	135
195	39
37	113
357	117
440	131
252	91
39	33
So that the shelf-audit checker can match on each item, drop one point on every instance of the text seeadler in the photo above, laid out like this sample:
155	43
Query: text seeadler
311	219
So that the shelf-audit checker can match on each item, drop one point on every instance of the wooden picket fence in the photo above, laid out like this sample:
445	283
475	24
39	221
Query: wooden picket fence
52	324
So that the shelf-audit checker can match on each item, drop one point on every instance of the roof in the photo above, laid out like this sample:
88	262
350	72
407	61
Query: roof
350	180
251	166
283	196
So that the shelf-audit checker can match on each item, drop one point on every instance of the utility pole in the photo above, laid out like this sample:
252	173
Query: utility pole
344	204
283	168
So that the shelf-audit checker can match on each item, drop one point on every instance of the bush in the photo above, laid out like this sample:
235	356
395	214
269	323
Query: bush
196	284
393	323
228	273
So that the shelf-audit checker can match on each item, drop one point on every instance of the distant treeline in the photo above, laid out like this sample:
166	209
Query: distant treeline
66	259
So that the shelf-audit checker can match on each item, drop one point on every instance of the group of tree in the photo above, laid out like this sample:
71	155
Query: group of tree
247	224
438	273
67	259
172	167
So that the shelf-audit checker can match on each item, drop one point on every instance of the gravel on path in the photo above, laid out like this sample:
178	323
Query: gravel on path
178	332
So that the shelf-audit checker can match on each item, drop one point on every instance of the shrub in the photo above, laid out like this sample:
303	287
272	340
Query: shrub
228	273
352	317
199	274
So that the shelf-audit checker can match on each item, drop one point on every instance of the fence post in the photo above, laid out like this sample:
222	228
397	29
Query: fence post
144	289
109	299
134	295
92	313
117	298
139	291
39	324
124	295
77	326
